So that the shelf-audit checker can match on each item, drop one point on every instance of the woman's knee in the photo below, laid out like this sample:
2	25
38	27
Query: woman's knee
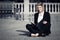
28	26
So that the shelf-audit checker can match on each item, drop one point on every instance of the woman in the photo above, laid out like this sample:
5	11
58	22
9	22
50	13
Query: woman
41	26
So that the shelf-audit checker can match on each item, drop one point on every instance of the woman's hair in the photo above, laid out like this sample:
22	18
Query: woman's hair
39	4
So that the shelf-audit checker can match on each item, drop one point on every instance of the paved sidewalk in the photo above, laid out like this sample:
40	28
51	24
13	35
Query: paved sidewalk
11	29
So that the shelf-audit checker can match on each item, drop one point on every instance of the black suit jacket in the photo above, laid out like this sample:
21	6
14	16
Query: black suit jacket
46	17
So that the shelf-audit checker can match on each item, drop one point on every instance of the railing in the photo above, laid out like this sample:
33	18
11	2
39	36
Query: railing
18	10
49	7
18	6
52	8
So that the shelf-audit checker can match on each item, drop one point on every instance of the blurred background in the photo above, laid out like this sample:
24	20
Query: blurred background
15	14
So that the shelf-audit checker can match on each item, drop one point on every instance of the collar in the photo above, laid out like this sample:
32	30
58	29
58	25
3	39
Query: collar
42	13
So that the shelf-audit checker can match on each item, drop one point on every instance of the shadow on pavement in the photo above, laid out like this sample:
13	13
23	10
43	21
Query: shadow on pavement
24	33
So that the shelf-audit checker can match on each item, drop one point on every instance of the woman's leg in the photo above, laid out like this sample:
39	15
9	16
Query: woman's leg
31	28
39	27
46	29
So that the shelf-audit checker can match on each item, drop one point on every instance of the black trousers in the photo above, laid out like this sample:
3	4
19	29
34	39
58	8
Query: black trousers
39	28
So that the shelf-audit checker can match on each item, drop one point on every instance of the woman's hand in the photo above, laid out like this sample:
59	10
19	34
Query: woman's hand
44	22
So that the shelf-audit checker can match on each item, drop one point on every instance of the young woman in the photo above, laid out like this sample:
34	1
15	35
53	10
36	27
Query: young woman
41	26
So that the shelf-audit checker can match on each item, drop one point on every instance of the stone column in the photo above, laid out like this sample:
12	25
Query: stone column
26	9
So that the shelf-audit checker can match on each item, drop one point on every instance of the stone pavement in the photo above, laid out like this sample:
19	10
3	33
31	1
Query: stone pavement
11	29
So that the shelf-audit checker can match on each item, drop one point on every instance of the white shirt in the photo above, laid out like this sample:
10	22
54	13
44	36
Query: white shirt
40	16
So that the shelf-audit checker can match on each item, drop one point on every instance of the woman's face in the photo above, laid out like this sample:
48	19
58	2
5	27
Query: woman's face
40	8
